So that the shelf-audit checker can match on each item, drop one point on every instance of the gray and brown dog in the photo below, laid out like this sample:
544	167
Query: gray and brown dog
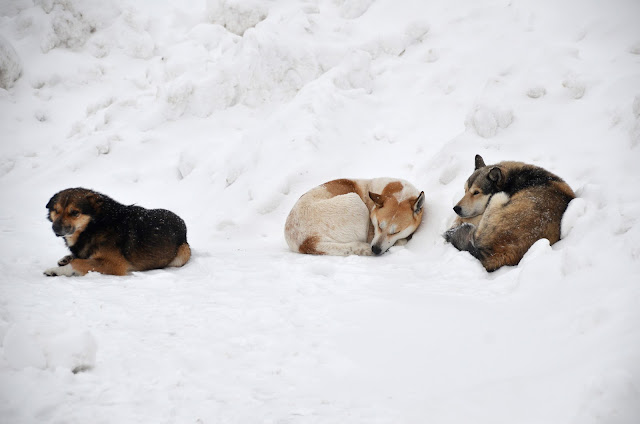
506	208
111	238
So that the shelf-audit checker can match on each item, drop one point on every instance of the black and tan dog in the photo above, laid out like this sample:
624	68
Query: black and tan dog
506	208
111	238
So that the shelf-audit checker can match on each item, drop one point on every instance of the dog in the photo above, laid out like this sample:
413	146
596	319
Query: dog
354	217
110	238
506	208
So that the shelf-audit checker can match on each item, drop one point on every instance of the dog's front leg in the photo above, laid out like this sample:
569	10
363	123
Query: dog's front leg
112	265
63	268
78	267
66	270
461	236
403	241
64	261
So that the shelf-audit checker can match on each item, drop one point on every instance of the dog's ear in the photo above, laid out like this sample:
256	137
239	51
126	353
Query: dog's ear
95	202
479	162
377	199
52	201
419	203
50	205
496	176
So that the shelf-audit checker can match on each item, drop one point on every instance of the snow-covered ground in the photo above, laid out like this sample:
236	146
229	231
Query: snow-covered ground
226	111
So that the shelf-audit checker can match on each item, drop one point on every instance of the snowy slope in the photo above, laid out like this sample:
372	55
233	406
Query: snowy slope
226	111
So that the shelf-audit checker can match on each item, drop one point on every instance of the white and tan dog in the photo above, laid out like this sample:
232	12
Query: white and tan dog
354	217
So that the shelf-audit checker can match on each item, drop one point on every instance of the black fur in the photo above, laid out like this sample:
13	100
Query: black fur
527	177
515	179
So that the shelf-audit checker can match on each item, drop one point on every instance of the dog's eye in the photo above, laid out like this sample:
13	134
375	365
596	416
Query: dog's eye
475	192
74	213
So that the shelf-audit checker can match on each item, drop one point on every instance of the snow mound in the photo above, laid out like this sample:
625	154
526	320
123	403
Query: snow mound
487	120
351	9
236	16
69	26
10	65
575	86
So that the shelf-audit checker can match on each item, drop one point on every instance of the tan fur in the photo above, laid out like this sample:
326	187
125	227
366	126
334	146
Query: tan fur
105	262
338	217
79	223
182	257
309	246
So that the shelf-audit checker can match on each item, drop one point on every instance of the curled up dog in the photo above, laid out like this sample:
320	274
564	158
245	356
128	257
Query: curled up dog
506	208
111	238
354	217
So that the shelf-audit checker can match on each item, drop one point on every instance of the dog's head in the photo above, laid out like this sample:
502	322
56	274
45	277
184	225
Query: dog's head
394	220
478	189
71	211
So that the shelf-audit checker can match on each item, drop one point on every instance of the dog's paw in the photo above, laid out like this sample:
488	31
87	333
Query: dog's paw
65	270
460	236
64	261
448	235
402	242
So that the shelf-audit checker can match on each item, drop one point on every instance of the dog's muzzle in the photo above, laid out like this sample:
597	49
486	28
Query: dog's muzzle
60	230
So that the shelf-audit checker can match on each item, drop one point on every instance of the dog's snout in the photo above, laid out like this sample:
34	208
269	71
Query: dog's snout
376	249
457	209
59	229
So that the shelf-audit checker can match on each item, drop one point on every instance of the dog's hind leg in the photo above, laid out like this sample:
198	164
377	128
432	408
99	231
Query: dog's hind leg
183	255
343	249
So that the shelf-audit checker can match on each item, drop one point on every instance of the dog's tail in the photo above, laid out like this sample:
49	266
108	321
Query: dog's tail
183	255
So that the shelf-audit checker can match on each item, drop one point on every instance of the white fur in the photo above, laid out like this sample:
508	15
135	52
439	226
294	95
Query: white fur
70	240
66	270
498	200
340	224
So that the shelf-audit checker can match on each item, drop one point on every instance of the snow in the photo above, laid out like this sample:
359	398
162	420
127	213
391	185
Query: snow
225	112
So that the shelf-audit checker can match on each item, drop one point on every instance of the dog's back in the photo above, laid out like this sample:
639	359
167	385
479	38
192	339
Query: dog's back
513	223
154	238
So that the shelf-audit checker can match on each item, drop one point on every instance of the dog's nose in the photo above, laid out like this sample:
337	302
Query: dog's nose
457	209
57	229
376	249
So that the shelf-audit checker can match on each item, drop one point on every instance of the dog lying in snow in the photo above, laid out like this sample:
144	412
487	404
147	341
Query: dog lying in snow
108	237
506	208
354	217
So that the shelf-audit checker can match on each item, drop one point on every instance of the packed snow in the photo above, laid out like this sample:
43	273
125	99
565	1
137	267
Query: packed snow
225	112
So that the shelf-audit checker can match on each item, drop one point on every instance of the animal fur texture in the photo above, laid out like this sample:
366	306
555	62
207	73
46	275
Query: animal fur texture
108	237
354	217
506	208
